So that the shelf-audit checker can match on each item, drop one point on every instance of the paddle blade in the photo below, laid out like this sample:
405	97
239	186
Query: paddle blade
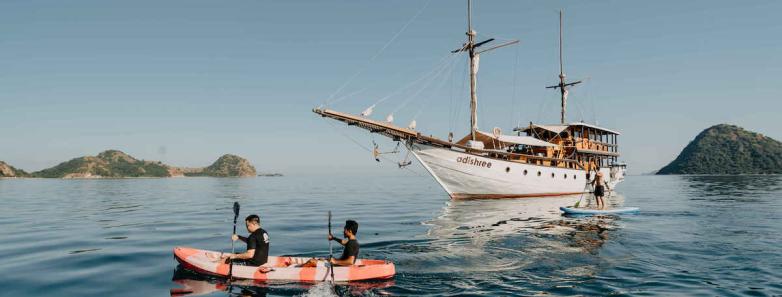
329	222
236	208
577	203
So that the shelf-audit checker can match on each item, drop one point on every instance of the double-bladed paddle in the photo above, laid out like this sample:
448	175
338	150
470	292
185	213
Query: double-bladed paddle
230	262
331	255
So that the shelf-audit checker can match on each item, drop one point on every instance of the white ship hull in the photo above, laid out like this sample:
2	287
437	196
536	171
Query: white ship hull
465	176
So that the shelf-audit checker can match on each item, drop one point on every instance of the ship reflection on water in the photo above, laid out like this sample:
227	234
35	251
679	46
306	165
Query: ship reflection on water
483	221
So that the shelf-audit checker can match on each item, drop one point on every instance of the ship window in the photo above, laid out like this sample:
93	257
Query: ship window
538	173
525	171
507	169
565	175
574	176
552	175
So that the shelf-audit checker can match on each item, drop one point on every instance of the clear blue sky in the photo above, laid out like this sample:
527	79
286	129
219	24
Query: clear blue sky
186	81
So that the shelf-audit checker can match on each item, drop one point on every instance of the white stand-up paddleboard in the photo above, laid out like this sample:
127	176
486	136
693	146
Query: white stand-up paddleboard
591	211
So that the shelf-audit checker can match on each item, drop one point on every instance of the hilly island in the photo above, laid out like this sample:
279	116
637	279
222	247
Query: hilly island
116	164
9	171
728	149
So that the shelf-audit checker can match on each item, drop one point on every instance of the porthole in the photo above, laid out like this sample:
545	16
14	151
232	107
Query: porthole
525	171
538	173
565	175
507	169
574	176
552	175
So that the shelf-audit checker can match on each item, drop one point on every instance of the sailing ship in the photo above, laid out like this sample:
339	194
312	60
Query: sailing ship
538	160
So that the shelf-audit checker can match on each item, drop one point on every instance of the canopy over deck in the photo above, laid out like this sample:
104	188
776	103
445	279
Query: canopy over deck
579	124
559	128
505	140
556	129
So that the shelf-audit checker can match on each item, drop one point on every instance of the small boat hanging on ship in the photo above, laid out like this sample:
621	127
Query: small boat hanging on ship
540	160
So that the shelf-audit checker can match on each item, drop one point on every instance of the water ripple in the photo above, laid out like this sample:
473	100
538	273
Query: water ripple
695	235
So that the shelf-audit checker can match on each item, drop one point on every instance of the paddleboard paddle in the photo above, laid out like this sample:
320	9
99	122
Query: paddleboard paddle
230	262
586	186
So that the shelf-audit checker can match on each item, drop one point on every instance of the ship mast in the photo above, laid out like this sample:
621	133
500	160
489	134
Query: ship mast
470	47
473	73
562	86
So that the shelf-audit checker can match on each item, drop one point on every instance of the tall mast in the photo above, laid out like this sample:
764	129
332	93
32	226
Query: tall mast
561	74
562	86
473	73
470	47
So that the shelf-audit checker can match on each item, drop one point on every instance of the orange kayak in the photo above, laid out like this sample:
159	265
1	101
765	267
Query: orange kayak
283	268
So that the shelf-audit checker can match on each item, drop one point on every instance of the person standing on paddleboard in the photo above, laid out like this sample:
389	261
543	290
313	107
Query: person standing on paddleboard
257	243
599	183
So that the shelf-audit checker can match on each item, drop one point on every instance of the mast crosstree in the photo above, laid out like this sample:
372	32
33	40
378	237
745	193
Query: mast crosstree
562	86
470	47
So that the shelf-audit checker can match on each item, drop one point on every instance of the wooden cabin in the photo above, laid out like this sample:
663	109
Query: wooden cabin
588	145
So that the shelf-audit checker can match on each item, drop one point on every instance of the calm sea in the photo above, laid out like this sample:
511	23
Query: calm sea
695	235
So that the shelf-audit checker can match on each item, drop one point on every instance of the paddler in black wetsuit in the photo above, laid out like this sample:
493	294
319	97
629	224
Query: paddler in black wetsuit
349	254
257	243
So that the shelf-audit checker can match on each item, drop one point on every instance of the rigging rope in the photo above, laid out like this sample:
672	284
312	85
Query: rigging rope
368	149
513	117
432	78
348	96
461	107
425	76
362	69
428	100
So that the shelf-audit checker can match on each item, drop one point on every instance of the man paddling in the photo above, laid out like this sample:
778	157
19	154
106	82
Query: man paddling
349	254
599	182
257	243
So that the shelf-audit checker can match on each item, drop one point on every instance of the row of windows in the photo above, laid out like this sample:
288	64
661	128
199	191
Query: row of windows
507	169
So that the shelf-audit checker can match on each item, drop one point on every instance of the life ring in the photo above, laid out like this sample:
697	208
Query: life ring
497	132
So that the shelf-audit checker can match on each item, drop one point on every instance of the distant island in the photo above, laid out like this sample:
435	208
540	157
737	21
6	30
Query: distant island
225	166
116	164
270	174
728	149
9	171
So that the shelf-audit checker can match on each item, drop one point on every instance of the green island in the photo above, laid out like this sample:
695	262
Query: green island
225	166
10	171
117	164
728	149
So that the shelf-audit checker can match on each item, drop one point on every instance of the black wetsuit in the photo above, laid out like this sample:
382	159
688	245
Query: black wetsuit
258	241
